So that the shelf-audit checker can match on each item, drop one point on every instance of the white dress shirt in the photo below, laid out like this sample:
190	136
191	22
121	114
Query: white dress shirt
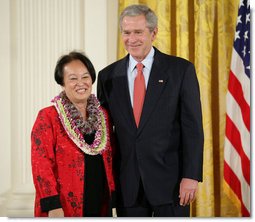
132	71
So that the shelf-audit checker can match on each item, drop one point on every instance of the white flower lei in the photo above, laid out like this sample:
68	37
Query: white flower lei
70	126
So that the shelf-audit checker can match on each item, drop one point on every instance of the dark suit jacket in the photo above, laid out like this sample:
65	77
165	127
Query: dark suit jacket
168	144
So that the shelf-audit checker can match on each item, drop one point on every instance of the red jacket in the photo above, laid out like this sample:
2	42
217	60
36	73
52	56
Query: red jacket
58	164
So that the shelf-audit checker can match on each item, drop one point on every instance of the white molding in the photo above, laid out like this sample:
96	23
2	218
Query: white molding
20	201
36	34
5	111
20	205
95	28
112	30
41	32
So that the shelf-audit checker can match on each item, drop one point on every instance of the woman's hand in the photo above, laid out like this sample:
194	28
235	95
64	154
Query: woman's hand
56	213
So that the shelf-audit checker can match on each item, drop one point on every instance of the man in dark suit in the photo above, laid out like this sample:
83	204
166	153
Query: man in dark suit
157	121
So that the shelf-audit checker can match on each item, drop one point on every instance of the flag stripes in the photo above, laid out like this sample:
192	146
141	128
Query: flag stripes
234	182
237	133
233	134
233	113
235	88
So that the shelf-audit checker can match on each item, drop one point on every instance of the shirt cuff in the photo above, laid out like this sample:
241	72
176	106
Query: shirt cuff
50	203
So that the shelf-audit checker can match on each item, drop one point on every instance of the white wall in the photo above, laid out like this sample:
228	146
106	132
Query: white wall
34	34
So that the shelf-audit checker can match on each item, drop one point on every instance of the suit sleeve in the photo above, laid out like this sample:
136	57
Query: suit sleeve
191	126
101	91
44	163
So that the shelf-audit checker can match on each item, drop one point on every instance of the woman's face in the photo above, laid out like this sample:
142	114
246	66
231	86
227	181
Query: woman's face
77	82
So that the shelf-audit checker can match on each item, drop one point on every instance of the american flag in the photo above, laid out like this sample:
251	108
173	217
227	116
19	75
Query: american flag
237	138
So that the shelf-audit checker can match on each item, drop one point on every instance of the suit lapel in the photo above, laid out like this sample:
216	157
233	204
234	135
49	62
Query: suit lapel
156	84
121	92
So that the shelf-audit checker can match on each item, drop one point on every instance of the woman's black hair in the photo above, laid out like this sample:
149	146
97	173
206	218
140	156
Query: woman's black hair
65	59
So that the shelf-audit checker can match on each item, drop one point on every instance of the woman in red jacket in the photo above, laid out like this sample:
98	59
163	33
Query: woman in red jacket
71	147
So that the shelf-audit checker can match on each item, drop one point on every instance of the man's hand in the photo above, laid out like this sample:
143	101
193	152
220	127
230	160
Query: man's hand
56	213
187	192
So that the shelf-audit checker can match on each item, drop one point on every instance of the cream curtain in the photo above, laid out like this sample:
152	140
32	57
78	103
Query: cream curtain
202	31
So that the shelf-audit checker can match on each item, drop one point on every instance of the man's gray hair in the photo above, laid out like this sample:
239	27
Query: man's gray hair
136	10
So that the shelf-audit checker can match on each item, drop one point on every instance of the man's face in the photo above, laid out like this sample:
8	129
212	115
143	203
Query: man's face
136	37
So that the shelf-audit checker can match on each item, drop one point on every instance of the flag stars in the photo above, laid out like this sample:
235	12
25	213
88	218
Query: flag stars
245	35
248	18
237	35
248	4
244	51
242	34
239	19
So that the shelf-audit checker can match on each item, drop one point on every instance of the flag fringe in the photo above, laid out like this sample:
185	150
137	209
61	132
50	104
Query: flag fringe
233	197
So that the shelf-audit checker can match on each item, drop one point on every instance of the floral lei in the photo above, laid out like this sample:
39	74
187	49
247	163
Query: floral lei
75	126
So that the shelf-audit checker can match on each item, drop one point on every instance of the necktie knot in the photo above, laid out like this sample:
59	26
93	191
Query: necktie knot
139	67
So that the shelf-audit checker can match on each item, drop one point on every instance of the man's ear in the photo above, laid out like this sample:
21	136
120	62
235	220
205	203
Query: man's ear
154	33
